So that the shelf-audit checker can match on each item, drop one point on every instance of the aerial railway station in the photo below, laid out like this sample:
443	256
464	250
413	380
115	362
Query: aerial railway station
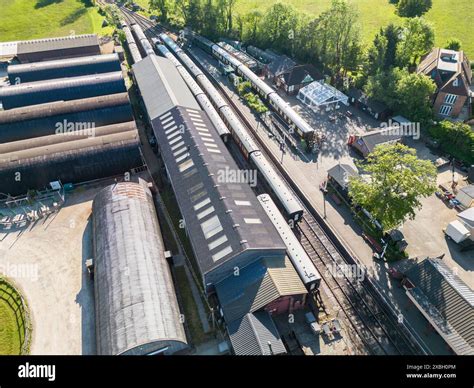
251	265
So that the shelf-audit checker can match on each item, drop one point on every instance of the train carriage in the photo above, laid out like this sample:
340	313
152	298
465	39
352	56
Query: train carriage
302	262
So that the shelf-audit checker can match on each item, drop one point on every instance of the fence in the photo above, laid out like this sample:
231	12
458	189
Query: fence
13	298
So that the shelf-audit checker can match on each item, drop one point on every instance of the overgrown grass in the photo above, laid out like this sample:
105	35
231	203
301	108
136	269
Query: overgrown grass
30	19
11	335
451	18
191	314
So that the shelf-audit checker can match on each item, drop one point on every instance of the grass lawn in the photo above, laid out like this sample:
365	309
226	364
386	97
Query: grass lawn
29	19
190	311
10	336
451	18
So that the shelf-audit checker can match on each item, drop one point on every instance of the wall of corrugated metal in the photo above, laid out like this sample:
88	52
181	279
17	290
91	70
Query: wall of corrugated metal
61	89
74	161
73	67
45	119
136	306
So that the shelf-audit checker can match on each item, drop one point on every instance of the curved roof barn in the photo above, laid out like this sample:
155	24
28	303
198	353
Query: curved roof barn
136	307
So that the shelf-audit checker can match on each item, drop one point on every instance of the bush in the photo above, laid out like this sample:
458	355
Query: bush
456	139
413	8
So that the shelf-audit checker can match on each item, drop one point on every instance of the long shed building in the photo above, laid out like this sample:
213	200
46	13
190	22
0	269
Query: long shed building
61	89
226	224
59	116
71	158
54	48
62	68
137	310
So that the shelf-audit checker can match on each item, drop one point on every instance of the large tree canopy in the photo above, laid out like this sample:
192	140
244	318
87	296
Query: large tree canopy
417	40
398	181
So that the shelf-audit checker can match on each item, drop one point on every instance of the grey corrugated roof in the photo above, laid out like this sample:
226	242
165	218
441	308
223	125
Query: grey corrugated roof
60	68
60	43
280	65
447	300
341	172
161	88
255	335
375	138
219	228
136	307
257	285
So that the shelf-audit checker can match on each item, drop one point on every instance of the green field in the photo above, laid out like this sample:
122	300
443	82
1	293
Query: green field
451	18
11	330
29	19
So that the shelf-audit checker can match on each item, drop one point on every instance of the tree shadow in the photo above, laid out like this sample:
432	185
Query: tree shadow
71	18
44	3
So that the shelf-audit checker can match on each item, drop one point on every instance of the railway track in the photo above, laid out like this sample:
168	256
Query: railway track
376	325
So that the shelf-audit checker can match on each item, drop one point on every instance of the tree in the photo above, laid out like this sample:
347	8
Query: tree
278	26
398	181
417	38
413	96
227	7
406	93
412	8
338	33
252	21
453	44
162	7
210	22
455	138
383	85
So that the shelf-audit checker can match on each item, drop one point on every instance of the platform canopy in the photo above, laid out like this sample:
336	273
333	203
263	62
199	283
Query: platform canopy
318	94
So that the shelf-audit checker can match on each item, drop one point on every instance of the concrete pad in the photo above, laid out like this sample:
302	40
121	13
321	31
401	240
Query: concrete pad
57	287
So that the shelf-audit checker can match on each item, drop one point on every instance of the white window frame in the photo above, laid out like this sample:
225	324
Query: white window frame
445	110
450	99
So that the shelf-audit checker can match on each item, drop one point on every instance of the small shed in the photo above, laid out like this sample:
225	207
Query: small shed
279	65
466	196
297	77
378	110
339	175
255	335
365	144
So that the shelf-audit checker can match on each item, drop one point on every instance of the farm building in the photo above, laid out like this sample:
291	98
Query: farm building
365	144
226	225
445	301
264	288
71	158
297	77
55	48
317	95
61	68
137	310
466	196
376	109
47	119
40	92
338	177
279	65
271	284
255	335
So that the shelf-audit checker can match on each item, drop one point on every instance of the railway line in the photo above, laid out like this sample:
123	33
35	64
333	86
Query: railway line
376	325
